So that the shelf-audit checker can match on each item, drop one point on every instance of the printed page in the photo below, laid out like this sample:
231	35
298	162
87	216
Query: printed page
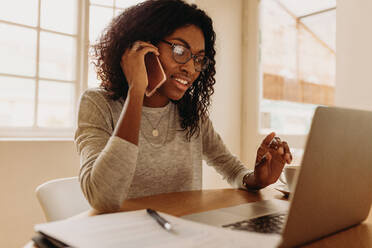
138	229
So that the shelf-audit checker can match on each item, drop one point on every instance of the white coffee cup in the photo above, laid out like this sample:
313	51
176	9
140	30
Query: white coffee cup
289	172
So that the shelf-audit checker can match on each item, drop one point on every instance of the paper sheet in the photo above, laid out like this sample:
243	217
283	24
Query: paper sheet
138	229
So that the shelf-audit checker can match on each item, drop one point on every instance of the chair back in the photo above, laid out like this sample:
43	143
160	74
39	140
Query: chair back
61	198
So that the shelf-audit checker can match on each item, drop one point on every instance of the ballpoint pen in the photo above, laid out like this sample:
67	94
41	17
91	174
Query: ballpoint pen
162	222
261	162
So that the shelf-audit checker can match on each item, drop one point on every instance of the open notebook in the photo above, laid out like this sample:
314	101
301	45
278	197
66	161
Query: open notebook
138	229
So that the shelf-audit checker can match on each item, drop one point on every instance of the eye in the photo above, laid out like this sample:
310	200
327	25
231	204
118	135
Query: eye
179	50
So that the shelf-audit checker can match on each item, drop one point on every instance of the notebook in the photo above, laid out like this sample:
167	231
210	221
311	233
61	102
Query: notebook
333	187
138	229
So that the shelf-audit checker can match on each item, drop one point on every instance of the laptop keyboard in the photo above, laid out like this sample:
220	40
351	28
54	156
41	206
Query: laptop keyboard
272	223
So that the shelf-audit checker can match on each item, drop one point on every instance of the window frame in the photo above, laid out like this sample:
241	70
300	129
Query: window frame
35	131
297	141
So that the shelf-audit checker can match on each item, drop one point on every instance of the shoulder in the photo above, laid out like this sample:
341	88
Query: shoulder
98	109
95	95
99	98
206	125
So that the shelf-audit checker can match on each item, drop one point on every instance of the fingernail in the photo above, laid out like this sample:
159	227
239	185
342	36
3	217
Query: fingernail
281	150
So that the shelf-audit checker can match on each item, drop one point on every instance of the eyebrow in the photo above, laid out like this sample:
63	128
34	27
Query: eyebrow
186	44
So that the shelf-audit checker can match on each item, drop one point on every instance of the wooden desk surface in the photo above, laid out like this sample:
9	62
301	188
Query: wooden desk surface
183	203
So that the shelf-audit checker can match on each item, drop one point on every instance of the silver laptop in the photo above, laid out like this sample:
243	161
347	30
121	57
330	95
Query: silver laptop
333	188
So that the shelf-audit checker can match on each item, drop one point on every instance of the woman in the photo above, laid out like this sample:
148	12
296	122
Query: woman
132	145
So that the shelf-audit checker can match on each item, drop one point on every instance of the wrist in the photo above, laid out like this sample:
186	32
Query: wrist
135	91
250	182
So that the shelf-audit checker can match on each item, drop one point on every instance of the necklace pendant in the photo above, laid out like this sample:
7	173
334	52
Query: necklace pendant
155	132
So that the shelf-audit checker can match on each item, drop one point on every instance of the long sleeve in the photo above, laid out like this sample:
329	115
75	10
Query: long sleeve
107	163
217	155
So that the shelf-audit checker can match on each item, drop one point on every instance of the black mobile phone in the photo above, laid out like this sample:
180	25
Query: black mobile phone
155	73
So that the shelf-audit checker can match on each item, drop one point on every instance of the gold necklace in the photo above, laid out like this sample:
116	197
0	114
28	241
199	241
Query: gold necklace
166	136
155	131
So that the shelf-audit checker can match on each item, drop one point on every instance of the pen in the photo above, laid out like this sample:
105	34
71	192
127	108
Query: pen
261	162
163	222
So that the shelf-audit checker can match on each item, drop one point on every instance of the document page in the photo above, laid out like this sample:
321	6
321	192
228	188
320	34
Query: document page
139	229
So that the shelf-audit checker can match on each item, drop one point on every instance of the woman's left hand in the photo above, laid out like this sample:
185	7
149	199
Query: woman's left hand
277	154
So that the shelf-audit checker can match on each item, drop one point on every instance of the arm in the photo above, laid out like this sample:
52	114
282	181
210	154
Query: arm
134	69
107	162
265	172
108	157
217	155
130	119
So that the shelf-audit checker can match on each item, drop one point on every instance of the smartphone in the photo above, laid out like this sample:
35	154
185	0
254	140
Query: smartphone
155	73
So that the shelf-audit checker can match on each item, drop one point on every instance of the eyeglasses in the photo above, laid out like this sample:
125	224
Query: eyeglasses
182	55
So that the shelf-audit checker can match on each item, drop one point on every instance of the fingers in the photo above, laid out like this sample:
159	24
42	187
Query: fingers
269	157
277	145
133	64
277	148
287	153
144	47
268	139
139	48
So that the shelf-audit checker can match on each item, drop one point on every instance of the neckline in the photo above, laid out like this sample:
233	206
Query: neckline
156	110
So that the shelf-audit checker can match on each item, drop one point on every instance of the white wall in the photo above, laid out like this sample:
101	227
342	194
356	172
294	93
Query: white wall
251	88
354	54
23	166
226	106
26	164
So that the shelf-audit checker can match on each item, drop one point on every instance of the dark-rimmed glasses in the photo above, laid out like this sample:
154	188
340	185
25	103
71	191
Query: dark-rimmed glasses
182	55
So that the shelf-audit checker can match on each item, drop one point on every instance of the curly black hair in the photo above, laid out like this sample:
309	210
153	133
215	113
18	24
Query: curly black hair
151	21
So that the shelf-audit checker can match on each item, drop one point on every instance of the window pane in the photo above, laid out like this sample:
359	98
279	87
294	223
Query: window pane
93	81
18	50
297	155
317	63
103	2
127	3
298	64
16	102
99	18
57	56
305	7
324	32
118	11
55	104
278	40
59	15
286	117
19	11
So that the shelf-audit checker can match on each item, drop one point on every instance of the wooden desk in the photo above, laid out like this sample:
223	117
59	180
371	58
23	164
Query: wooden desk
183	203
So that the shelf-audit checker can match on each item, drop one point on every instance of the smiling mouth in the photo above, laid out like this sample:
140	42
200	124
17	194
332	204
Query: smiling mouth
182	81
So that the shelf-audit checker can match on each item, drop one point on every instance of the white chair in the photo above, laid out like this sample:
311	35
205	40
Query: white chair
61	198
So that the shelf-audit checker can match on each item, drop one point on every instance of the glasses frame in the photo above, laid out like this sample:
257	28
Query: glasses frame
192	56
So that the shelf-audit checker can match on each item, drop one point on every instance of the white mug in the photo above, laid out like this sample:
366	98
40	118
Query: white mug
290	172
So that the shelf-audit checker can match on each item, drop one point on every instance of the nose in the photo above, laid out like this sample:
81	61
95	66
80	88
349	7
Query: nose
189	67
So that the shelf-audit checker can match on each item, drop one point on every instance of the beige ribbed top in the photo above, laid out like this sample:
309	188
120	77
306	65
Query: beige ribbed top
112	169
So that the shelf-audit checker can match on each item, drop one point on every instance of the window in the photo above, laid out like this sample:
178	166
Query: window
44	62
298	57
101	13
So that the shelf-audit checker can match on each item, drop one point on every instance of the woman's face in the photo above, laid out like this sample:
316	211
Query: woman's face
179	76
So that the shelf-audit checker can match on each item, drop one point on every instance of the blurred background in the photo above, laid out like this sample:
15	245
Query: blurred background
45	64
276	62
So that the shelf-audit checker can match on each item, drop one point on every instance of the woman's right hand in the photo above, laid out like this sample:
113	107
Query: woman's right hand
133	64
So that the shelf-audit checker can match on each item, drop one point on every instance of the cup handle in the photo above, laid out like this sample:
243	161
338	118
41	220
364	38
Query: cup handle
281	179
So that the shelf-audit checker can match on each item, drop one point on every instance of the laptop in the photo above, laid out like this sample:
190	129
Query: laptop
333	189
